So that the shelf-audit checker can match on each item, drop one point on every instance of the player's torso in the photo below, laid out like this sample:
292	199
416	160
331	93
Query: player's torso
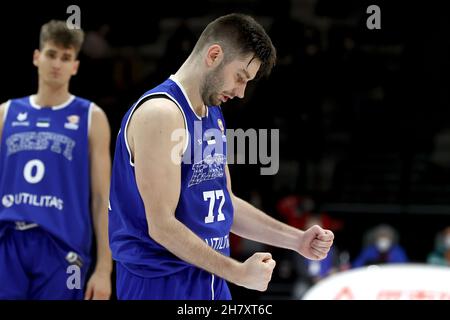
205	204
44	159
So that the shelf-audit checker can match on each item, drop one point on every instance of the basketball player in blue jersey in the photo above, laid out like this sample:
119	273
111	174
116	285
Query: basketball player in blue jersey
54	180
171	203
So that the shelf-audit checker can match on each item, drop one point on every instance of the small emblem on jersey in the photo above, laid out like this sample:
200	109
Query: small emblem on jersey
43	123
72	122
208	169
8	200
74	259
21	117
220	124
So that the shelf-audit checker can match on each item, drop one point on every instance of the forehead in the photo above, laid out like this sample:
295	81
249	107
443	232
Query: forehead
50	45
248	64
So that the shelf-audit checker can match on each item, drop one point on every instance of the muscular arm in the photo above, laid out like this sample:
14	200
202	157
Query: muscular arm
157	161
158	176
100	163
251	223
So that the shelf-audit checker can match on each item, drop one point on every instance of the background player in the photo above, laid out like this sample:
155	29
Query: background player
172	207
54	173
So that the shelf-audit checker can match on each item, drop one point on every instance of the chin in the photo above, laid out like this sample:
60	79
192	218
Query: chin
217	102
212	102
55	82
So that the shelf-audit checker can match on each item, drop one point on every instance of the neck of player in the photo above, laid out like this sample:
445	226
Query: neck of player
49	96
190	79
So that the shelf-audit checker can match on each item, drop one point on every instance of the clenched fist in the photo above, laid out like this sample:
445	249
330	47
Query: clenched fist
315	243
256	271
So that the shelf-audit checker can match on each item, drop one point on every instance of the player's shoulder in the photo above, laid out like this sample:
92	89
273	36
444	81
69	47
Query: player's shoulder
89	106
3	106
98	116
2	110
96	109
158	109
159	103
82	105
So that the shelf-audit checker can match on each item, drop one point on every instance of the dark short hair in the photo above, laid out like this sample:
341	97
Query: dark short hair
58	32
240	34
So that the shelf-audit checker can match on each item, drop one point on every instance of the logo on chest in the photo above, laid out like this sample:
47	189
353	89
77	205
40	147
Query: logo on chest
43	123
21	120
72	122
210	168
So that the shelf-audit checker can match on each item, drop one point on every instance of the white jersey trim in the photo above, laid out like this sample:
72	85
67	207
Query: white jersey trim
172	77
91	106
138	104
5	113
33	103
212	287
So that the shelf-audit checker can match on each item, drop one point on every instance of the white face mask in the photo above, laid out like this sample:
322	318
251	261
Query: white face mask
383	244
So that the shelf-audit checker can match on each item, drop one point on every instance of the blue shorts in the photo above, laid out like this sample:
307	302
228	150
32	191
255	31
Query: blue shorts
33	266
189	284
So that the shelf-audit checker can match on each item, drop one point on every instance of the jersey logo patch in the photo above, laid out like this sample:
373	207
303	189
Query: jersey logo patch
21	117
209	168
72	122
43	123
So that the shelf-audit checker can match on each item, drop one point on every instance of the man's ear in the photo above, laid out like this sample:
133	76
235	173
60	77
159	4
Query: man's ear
36	55
76	65
214	55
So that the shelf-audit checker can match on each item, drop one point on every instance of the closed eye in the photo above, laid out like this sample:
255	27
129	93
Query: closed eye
240	79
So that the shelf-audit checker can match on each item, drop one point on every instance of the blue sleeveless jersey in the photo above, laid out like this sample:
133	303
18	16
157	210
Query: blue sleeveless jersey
204	205
44	169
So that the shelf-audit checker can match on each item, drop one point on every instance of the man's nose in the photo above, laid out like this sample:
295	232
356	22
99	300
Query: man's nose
56	63
240	91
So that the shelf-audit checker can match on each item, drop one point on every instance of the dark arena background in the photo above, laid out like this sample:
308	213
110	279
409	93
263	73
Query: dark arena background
363	114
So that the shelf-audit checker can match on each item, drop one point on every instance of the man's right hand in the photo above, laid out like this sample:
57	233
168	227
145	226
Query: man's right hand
257	271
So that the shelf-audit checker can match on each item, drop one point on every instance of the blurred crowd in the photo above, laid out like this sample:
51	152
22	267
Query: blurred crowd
379	244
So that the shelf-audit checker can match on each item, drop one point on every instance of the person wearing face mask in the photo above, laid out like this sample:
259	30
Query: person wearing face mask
382	247
441	253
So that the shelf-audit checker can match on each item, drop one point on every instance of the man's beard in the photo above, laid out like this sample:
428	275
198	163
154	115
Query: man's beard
209	90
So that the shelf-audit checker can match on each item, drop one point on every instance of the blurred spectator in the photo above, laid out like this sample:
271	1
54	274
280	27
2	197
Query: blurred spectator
309	272
381	246
96	44
297	210
441	253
